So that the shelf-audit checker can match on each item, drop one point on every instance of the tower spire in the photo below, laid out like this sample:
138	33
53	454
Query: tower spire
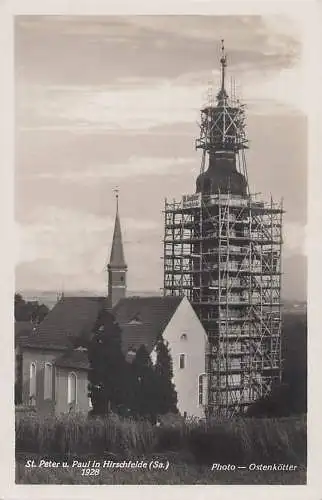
222	127
117	253
117	267
222	94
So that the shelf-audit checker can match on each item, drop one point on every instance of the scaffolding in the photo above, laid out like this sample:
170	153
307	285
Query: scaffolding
223	252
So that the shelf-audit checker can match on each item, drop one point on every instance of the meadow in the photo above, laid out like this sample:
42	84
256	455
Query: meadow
189	447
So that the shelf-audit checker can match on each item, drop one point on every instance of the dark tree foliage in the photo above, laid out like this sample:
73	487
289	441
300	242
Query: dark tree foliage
29	311
274	405
167	396
294	353
18	394
108	381
290	397
143	385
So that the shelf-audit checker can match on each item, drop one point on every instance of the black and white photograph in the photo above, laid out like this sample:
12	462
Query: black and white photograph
160	298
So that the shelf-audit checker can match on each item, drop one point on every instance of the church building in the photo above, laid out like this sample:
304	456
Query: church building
52	366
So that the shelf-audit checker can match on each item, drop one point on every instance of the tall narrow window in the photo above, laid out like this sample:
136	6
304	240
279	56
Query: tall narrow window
72	388
182	361
48	381
32	384
201	389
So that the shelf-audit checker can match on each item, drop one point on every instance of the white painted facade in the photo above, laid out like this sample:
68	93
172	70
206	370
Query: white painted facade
187	337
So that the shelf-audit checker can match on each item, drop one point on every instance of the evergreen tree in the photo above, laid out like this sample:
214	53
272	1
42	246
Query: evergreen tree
143	382
108	371
167	396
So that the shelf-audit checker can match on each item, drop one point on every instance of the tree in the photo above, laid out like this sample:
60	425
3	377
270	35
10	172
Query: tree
29	311
108	369
167	396
275	405
289	397
143	385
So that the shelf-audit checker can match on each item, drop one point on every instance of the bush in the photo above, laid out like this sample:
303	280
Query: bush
237	441
69	435
243	441
217	443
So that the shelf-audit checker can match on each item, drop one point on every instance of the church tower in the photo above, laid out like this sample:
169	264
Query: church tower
117	267
222	250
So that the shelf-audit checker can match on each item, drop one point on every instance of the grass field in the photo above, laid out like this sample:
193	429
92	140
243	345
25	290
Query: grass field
186	450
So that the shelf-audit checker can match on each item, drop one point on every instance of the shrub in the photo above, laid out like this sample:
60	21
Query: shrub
238	441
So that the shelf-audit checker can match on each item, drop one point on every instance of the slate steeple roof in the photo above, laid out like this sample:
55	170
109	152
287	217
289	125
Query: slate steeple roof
117	259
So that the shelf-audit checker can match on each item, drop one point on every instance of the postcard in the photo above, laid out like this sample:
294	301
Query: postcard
160	308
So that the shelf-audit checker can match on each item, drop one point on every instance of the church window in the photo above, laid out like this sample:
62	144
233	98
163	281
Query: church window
72	388
182	361
48	381
32	384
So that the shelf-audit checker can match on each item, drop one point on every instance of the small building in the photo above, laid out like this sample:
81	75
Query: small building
144	320
52	364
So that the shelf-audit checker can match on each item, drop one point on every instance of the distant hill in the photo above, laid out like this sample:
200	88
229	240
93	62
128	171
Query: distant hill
49	297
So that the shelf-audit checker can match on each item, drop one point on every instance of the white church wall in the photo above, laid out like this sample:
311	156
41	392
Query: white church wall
187	340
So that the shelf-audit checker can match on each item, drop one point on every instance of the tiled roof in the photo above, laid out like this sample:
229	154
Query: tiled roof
143	319
22	330
70	318
76	358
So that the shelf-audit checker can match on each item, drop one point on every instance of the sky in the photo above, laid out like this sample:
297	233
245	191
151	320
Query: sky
105	102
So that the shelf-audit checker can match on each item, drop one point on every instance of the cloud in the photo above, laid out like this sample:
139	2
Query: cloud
135	166
128	91
72	240
295	238
143	107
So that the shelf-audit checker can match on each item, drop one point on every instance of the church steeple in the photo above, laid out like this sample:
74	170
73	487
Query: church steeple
117	267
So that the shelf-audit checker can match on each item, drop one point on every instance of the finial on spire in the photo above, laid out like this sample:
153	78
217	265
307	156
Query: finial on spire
223	61
116	191
222	95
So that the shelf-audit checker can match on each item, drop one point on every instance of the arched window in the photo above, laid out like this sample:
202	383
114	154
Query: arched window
48	381
72	388
201	389
182	361
32	384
